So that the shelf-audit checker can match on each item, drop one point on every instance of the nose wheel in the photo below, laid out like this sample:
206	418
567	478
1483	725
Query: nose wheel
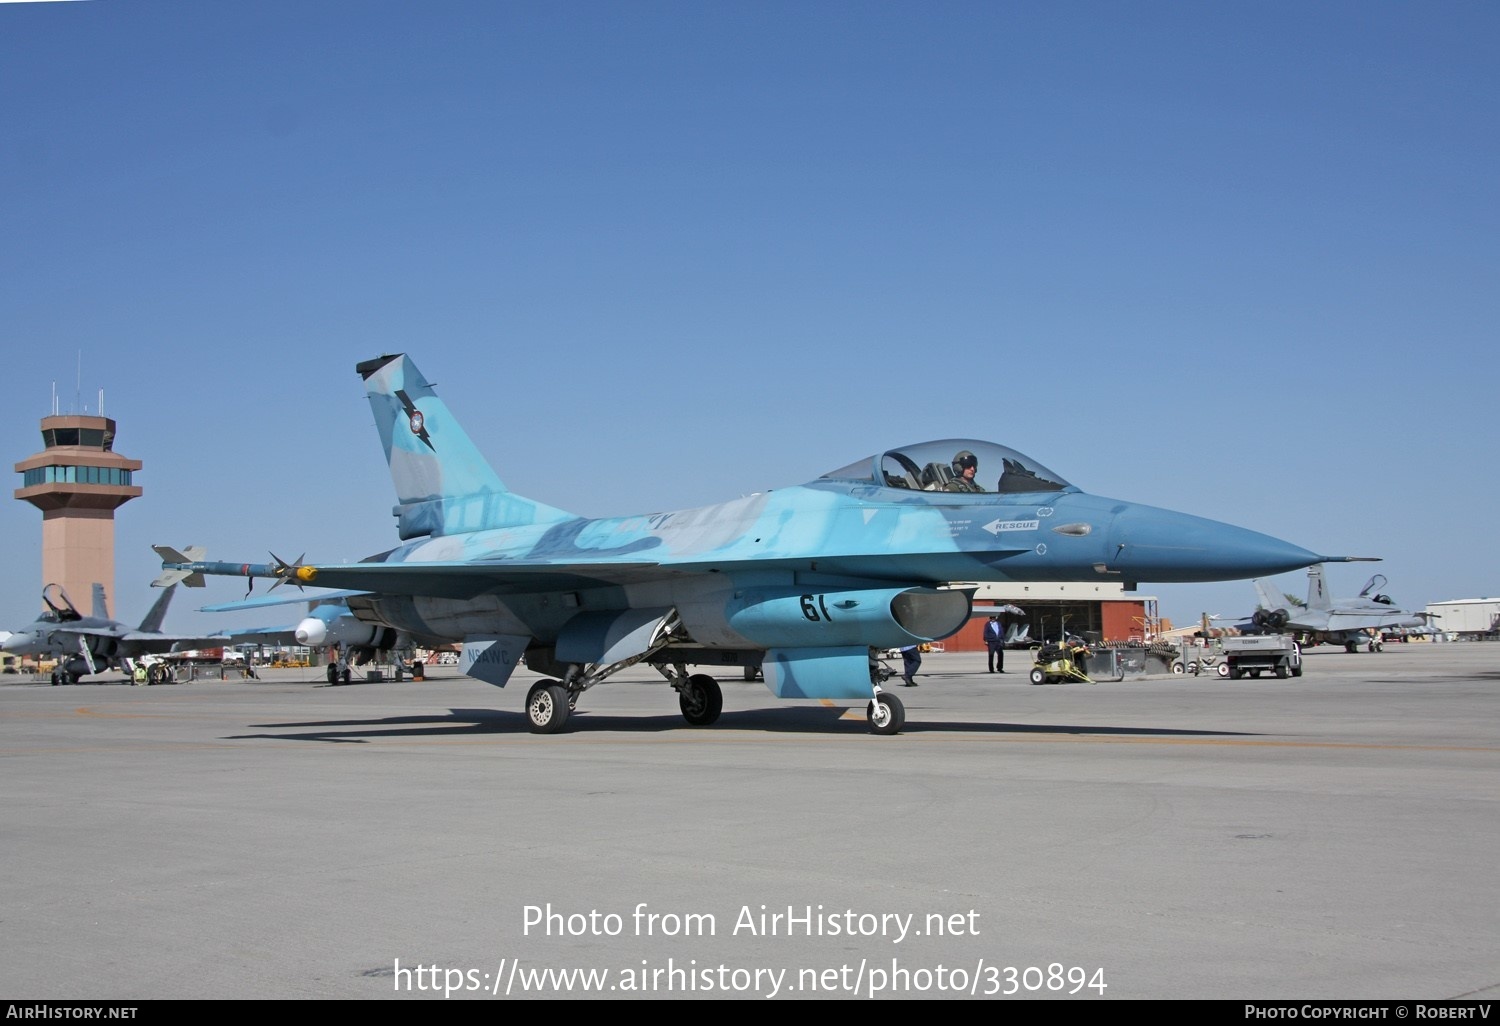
886	713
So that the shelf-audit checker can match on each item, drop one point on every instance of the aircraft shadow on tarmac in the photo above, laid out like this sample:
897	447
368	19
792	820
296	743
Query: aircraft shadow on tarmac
803	720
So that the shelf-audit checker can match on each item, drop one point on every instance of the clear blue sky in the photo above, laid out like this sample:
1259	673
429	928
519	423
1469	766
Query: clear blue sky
1238	259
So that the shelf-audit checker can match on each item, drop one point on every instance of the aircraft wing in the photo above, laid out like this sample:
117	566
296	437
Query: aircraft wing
281	635
278	599
462	580
141	642
1338	621
457	579
129	643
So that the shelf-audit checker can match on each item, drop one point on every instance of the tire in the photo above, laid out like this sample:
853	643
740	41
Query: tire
1223	669
1281	671
1235	674
347	675
886	714
333	673
1178	668
701	700
1296	671
1192	668
1038	677
547	707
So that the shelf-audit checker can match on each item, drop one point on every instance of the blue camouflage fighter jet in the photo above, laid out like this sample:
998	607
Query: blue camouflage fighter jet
806	582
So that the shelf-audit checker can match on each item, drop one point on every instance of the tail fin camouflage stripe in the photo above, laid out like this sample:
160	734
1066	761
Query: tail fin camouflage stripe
443	483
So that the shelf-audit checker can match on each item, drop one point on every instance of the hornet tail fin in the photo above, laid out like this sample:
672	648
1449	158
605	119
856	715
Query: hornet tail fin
152	623
1270	600
443	483
1317	588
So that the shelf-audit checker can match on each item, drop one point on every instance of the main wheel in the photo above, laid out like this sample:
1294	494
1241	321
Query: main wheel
1223	669
547	707
347	675
701	700
333	673
887	714
56	677
1038	677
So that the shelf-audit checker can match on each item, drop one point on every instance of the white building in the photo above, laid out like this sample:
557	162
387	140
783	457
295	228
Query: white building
1466	616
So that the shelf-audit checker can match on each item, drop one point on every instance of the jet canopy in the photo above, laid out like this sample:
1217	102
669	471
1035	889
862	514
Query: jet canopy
929	466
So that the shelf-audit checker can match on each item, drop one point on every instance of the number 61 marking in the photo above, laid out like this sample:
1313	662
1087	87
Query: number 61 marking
812	605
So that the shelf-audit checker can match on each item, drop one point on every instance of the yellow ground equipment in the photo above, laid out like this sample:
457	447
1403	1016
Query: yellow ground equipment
1057	663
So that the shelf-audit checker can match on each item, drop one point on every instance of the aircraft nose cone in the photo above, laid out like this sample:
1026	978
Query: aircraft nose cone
311	632
1166	547
16	642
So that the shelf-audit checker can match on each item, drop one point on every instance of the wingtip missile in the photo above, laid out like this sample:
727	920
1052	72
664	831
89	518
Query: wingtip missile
179	574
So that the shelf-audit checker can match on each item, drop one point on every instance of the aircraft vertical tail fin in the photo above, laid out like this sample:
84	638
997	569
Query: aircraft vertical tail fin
158	612
1317	588
443	483
1270	601
101	602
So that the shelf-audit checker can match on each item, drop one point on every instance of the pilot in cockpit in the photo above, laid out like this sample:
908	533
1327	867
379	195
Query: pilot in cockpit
965	469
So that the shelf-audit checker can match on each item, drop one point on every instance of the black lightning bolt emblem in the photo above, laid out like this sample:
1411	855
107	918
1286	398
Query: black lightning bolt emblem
414	418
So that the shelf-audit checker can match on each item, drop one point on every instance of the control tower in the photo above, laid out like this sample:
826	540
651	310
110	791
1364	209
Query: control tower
78	481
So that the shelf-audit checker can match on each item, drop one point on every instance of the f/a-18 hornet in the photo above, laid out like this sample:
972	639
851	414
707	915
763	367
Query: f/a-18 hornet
93	644
1350	622
804	582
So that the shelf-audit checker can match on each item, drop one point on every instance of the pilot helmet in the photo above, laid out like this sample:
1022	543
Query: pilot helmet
965	460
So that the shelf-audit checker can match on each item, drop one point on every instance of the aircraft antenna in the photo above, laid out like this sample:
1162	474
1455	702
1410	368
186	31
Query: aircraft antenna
78	386
101	402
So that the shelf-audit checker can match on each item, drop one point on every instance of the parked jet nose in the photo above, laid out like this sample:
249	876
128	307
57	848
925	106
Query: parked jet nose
1162	546
19	642
311	632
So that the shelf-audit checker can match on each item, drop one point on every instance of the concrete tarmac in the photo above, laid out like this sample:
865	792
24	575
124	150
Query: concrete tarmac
1330	837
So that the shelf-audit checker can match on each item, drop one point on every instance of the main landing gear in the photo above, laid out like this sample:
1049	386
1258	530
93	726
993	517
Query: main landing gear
547	707
700	699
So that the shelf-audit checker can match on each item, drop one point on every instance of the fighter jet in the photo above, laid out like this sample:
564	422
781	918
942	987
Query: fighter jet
330	625
805	582
94	644
1323	620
